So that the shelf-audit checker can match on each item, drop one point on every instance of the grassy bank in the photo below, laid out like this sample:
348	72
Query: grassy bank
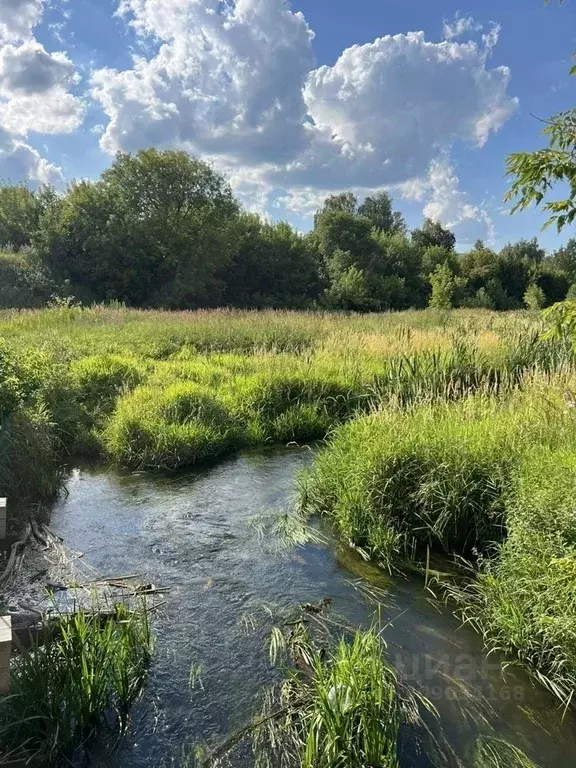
159	390
490	479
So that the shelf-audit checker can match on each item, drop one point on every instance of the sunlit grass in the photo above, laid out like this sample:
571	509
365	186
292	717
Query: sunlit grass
83	676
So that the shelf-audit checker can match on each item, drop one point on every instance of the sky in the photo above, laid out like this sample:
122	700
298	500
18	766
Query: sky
293	101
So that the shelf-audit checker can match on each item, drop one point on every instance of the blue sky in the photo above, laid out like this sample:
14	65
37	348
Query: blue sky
293	101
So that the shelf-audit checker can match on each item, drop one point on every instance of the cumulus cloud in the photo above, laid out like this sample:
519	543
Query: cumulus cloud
448	204
21	163
235	81
383	111
19	17
226	79
35	85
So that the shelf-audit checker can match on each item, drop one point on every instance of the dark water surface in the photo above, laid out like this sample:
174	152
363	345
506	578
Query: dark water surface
191	533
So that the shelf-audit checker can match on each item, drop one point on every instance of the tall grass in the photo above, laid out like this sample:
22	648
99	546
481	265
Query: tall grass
110	380
83	676
341	708
489	479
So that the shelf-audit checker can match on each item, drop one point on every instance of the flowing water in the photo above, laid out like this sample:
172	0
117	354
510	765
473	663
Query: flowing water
193	533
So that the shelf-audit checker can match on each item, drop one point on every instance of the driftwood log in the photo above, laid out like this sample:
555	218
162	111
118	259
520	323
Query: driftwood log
14	555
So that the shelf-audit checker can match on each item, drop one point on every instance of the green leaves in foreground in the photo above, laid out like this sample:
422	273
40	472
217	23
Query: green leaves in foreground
337	709
84	674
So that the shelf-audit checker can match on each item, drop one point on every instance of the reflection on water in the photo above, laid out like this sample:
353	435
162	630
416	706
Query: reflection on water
191	533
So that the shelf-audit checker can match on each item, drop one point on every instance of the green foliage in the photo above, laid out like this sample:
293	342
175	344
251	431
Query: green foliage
84	676
534	298
162	229
444	285
349	289
98	381
168	428
535	174
522	600
156	229
433	234
398	483
24	280
345	710
20	213
273	266
378	210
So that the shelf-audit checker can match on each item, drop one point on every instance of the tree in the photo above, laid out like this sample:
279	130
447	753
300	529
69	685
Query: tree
20	212
345	202
350	291
534	298
435	255
344	231
378	210
432	234
157	229
564	259
273	266
535	174
443	283
519	265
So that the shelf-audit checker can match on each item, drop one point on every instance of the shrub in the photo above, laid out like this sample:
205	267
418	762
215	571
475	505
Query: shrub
534	298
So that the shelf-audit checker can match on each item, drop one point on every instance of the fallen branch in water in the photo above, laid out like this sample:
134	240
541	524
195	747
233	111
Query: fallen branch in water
237	736
14	550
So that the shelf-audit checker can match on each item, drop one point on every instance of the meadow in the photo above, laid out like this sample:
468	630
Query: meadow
158	390
447	433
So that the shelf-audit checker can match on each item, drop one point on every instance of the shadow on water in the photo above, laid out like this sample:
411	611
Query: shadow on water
191	532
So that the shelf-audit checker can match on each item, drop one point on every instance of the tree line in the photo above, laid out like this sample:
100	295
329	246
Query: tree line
163	229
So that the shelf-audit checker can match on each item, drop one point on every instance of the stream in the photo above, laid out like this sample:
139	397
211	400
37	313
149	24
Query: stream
191	532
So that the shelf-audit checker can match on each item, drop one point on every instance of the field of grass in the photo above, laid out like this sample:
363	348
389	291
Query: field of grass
448	432
158	390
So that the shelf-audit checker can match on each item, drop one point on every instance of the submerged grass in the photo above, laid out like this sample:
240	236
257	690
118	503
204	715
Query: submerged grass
82	676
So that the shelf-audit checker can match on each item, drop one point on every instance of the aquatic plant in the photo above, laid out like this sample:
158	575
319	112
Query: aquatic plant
340	707
81	676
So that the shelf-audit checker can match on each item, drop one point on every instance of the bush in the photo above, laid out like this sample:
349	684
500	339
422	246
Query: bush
24	281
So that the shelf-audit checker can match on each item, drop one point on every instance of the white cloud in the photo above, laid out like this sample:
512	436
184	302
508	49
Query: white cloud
19	17
227	80
235	81
448	204
35	85
20	162
383	110
462	25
